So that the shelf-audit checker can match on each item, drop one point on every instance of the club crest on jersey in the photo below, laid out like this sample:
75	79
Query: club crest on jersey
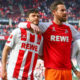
53	29
66	31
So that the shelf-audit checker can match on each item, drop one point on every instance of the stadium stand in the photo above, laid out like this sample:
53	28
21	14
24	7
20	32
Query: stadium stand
15	10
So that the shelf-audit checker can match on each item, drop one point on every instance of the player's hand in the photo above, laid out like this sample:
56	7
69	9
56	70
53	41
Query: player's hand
4	75
35	29
77	74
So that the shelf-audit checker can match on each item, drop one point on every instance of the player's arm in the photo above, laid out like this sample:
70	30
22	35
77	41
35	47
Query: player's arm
9	44
74	69
75	53
77	73
40	56
75	33
29	26
4	61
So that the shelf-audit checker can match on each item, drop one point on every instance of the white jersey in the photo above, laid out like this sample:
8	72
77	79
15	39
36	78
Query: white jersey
25	49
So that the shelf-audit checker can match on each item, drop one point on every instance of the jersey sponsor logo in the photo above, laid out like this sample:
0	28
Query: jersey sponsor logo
29	46
59	38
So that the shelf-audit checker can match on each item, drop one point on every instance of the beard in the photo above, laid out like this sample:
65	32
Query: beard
63	20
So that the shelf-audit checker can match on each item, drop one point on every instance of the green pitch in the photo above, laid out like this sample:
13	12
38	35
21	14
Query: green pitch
74	78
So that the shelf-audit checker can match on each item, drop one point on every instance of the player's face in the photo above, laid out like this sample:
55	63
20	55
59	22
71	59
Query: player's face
33	18
61	13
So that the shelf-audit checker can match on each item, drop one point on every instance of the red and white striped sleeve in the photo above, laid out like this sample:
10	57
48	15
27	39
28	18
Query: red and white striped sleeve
11	39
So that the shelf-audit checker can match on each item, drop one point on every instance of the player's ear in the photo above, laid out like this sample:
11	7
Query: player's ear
53	12
27	18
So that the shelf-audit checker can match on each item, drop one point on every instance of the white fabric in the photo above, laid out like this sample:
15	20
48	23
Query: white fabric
76	51
22	25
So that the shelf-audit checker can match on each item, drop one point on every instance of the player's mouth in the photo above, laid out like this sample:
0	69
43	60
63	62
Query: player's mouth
64	16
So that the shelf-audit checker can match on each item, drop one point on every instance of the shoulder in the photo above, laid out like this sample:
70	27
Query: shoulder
68	25
44	25
22	24
77	42
16	31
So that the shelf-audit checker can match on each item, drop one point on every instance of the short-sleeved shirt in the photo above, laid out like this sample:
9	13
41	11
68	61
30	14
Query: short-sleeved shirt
57	44
25	47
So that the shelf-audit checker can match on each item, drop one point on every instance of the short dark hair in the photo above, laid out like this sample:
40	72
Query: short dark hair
31	11
55	4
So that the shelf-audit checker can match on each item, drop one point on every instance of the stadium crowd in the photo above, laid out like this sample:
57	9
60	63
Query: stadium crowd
16	9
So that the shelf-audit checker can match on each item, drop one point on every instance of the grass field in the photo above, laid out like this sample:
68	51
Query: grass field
74	79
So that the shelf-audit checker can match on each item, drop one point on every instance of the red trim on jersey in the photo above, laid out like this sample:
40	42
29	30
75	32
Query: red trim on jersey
18	63
8	41
11	36
32	37
39	39
27	65
23	34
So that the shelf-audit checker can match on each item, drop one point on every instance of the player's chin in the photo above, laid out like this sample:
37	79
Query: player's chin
64	20
36	23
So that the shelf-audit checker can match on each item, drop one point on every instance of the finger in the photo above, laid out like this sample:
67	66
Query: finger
3	79
38	30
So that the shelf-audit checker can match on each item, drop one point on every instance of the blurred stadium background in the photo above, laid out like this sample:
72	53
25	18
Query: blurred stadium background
13	11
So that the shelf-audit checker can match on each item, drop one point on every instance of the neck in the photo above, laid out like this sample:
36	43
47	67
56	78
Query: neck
57	21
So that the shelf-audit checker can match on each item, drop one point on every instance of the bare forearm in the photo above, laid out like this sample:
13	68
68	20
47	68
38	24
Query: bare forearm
74	69
4	56
4	59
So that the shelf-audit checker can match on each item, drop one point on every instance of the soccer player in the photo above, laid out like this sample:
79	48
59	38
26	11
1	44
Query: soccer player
25	47
57	40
